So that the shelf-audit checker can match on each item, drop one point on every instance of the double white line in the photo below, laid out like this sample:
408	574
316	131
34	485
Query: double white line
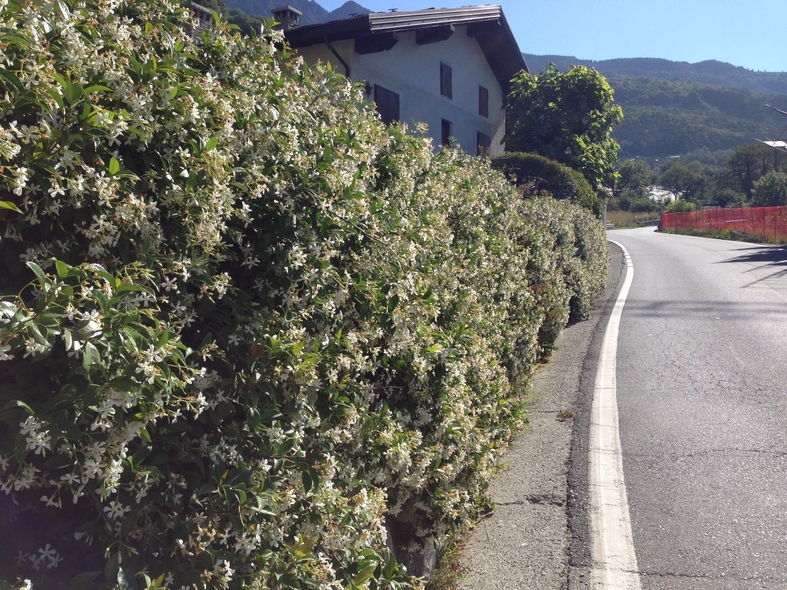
612	545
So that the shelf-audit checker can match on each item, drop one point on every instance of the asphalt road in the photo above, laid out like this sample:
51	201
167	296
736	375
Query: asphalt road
702	402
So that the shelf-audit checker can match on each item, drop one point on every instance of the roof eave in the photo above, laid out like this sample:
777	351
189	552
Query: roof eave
497	42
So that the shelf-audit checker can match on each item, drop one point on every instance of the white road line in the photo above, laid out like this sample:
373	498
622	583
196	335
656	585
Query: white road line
612	545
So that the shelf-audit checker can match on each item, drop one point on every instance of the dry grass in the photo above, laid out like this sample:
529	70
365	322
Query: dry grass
623	219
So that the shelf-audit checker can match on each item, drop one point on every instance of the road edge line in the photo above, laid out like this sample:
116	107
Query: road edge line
612	545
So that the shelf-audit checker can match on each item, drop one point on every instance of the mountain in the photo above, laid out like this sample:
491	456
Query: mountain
711	72
313	13
696	111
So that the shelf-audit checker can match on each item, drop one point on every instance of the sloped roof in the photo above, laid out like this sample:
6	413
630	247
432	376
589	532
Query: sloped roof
486	23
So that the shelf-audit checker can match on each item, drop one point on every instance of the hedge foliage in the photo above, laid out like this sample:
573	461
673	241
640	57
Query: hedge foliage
249	336
542	174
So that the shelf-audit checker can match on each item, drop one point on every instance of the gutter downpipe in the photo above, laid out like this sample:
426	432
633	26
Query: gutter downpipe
339	57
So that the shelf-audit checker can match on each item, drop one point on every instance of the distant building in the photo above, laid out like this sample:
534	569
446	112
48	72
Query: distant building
449	67
203	17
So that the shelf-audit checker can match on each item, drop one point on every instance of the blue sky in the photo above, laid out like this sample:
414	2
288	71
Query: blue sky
743	33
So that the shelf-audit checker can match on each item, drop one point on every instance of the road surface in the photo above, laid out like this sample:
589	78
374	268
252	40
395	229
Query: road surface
702	407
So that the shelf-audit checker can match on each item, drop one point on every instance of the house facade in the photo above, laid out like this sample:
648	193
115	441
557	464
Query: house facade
449	68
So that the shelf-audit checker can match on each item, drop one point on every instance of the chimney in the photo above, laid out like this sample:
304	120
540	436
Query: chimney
287	17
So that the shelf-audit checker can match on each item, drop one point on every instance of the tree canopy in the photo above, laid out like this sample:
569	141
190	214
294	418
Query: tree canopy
770	190
567	117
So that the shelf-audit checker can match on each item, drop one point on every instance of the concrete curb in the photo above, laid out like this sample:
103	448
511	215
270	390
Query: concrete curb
528	541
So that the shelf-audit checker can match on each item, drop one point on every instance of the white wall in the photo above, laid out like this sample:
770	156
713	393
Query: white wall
413	71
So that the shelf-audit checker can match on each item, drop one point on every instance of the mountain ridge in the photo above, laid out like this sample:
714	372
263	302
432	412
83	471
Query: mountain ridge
711	72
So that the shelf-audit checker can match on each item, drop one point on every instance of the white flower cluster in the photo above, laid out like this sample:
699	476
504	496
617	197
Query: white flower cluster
44	558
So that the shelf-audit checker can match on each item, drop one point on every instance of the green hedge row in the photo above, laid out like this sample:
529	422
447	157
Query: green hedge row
537	173
249	336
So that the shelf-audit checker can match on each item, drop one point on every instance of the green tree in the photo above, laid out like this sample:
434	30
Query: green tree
567	117
685	182
635	176
770	190
749	163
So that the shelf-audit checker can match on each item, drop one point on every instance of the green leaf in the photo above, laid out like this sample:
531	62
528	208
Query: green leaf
74	93
91	356
285	447
87	110
15	403
138	133
366	573
97	88
114	166
134	287
12	78
41	337
112	566
9	205
58	98
240	495
38	272
68	338
62	268
141	454
212	143
305	546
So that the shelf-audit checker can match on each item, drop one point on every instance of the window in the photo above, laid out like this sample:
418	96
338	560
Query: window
446	132
387	104
483	144
446	82
483	101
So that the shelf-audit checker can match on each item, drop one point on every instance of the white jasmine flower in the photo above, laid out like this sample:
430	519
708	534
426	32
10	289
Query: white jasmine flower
4	356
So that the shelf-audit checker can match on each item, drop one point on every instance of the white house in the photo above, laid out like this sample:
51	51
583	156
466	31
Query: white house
447	67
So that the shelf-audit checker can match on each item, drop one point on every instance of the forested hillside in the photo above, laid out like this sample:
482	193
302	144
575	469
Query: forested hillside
676	117
675	108
710	72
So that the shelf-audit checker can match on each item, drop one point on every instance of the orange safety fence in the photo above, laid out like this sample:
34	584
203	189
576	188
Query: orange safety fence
768	223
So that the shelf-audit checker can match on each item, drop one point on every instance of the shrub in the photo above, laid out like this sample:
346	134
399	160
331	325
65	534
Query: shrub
250	337
680	206
770	190
550	176
578	250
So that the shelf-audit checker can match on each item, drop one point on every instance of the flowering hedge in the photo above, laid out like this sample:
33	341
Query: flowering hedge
249	336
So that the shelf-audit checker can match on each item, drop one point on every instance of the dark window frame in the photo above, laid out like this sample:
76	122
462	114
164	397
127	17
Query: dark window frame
446	80
483	143
483	102
387	103
446	132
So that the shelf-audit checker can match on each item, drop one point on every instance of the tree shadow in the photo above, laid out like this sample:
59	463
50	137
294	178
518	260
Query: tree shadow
772	255
765	257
